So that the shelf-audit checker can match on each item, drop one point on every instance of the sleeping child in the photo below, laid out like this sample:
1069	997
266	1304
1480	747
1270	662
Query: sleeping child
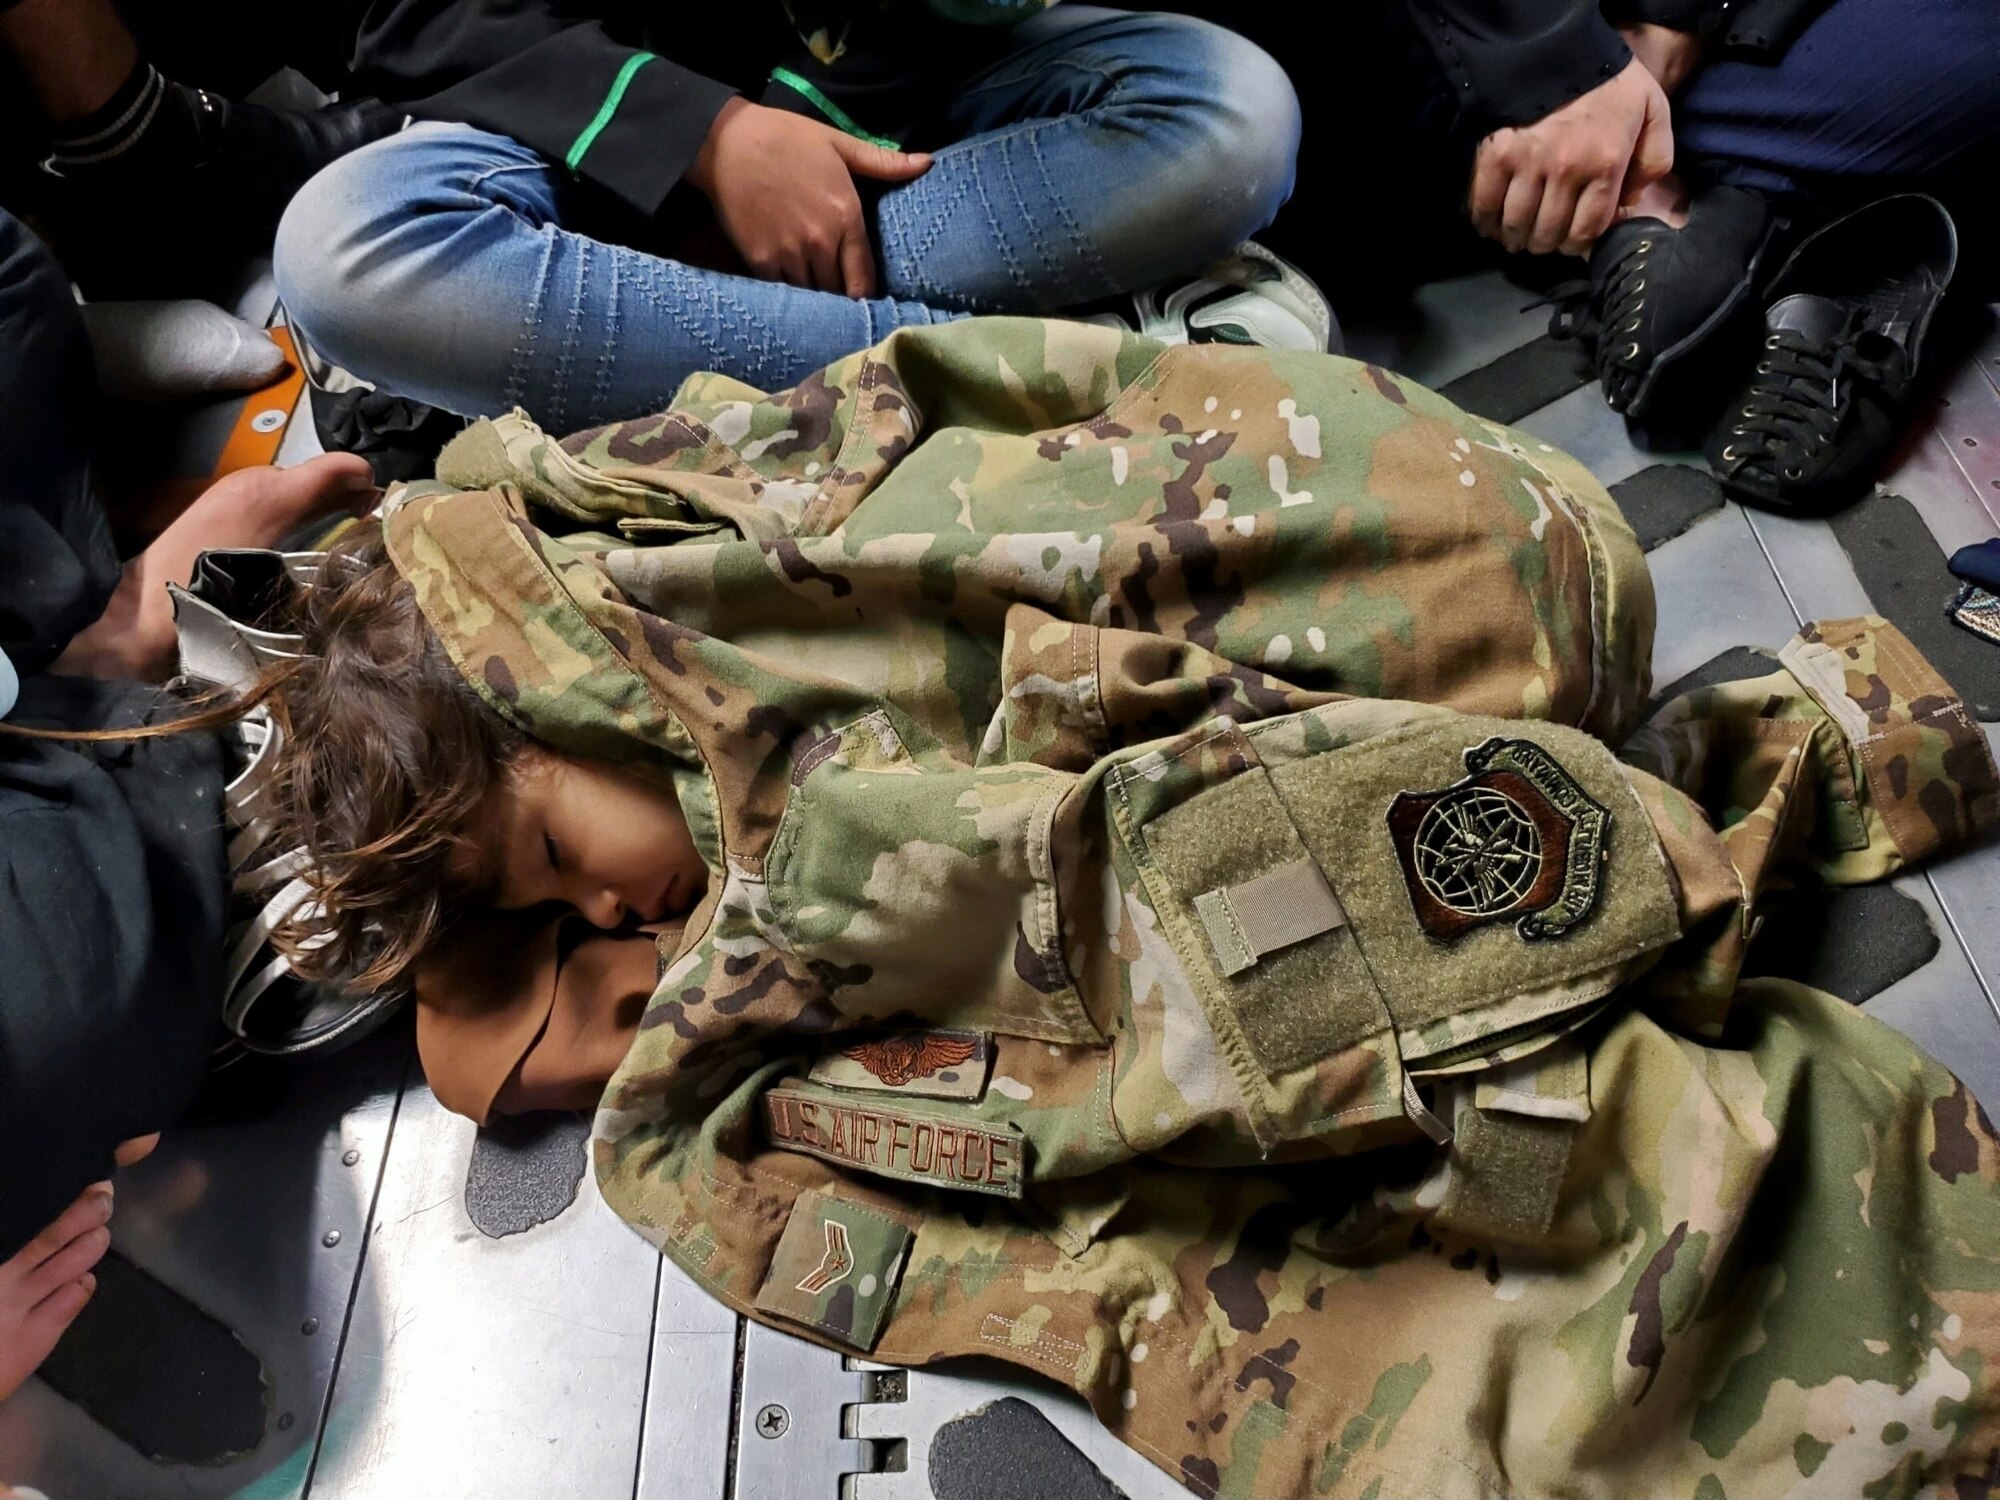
1112	857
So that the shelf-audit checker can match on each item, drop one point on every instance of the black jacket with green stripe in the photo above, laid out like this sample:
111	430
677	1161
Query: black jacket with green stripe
625	91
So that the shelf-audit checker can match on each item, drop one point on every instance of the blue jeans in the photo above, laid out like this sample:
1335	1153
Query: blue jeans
1105	151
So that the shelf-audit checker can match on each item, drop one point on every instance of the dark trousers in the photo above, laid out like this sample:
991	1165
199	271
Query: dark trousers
112	878
1873	96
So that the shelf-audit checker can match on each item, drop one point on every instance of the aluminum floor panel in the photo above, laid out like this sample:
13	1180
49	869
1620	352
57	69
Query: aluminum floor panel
793	1436
487	1369
940	1395
1450	328
684	1444
1714	589
1942	1007
234	1216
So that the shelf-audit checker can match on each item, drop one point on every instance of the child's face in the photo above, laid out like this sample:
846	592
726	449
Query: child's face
608	842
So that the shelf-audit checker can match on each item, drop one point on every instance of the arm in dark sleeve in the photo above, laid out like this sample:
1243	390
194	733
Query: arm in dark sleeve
1760	29
615	115
1510	62
113	884
1763	29
1677	15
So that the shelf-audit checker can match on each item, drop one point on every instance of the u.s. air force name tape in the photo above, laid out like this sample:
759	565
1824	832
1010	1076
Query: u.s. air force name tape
897	1142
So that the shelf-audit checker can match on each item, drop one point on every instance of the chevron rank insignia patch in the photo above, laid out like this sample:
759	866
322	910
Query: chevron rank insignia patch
836	1269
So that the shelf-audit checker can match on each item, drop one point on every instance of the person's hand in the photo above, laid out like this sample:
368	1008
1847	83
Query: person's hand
783	191
1557	184
44	1285
1667	54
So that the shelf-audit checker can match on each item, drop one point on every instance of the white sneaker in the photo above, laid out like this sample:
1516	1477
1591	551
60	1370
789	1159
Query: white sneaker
1252	297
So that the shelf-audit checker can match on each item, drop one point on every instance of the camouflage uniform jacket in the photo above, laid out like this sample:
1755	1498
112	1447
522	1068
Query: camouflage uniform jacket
1114	760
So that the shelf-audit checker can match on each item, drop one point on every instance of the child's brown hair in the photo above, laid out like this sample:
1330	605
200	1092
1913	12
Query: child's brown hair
387	757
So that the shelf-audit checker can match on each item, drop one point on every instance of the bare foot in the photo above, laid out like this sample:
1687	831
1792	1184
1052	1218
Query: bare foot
1665	200
45	1285
257	507
136	1150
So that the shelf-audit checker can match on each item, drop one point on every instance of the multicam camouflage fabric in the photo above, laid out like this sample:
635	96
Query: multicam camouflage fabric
1031	680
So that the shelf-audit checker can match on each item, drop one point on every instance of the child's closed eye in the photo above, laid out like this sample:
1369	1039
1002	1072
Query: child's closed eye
554	854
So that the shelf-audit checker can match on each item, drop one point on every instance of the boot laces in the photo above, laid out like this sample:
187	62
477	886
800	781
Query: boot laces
1803	389
1608	309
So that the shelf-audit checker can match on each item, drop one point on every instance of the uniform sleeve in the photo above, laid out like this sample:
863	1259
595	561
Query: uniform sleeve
112	890
1511	62
1750	28
1854	761
1679	15
625	119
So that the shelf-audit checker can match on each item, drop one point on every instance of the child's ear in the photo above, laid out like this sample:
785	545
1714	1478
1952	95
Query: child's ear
536	762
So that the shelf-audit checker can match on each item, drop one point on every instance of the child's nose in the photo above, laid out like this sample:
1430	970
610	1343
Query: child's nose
605	910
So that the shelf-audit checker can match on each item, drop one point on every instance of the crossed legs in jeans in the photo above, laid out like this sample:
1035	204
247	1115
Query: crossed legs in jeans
1104	152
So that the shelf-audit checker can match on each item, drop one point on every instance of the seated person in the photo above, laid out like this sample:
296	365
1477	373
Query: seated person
1684	147
545	239
95	135
1219	782
112	873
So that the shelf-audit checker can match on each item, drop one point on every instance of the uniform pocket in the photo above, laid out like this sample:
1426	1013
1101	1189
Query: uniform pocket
1497	874
1272	929
1351	909
926	890
1263	940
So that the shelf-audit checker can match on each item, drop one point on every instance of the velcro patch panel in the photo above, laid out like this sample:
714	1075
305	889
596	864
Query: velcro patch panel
1274	910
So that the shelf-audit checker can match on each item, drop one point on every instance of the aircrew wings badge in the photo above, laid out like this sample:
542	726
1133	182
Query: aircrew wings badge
898	1060
931	1063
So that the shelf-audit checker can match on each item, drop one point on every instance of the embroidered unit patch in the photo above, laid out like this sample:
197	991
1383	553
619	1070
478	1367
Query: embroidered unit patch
897	1142
1518	839
927	1064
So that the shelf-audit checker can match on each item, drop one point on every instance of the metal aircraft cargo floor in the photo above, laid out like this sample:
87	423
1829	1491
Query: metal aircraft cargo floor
427	1337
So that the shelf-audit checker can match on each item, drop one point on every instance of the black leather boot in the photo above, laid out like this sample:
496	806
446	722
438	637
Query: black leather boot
271	152
196	188
1843	338
1656	294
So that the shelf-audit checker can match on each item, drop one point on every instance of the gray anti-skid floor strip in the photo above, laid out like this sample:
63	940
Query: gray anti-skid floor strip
1737	664
1523	381
1903	569
1854	941
1663	501
525	1170
168	1379
1010	1451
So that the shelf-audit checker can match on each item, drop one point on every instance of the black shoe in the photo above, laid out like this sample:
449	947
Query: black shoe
213	174
271	152
1844	335
1656	293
